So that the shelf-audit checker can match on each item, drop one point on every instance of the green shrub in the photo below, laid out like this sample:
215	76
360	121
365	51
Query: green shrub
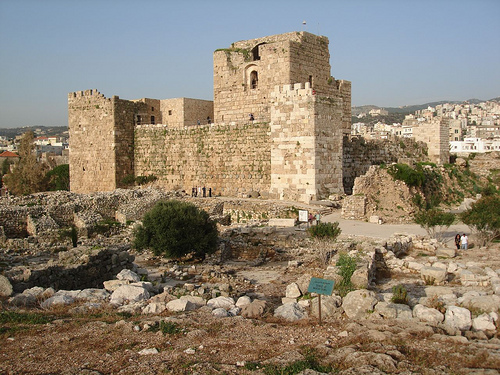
58	178
142	180
408	175
325	230
484	218
128	179
174	229
346	265
399	294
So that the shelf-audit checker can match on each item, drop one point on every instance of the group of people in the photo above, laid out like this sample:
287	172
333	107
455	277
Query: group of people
314	218
201	192
461	241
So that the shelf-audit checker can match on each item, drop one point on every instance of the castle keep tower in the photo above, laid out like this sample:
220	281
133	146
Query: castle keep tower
292	149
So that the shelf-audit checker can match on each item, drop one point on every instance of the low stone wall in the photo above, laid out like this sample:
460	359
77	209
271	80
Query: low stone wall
78	268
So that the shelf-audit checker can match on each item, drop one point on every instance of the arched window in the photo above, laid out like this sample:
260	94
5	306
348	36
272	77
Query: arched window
254	79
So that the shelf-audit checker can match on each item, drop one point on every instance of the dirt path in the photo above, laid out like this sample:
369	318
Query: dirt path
362	228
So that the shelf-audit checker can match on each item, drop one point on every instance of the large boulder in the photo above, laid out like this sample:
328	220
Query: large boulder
126	294
458	318
483	322
359	303
221	302
178	305
291	312
393	310
427	314
331	306
435	275
128	275
486	303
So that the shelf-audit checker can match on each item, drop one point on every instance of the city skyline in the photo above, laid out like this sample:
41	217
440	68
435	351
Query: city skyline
395	53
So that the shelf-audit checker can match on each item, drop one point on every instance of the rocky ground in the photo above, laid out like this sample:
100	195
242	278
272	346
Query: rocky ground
71	338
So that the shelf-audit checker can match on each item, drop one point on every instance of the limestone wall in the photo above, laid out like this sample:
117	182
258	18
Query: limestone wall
181	112
232	160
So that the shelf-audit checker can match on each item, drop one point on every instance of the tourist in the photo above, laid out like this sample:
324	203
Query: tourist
457	241
317	217
251	117
208	120
210	192
204	192
464	241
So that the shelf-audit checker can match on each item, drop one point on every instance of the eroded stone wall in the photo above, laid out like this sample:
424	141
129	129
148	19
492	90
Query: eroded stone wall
360	154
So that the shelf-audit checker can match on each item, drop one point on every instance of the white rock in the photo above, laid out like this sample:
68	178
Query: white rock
234	311
128	294
452	267
112	285
223	302
458	318
129	275
178	305
93	295
293	291
427	314
393	310
145	284
440	265
291	312
483	322
148	351
243	300
195	300
359	303
438	275
414	266
220	312
330	305
486	303
61	299
154	308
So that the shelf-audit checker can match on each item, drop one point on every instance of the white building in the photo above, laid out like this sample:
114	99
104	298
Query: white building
474	145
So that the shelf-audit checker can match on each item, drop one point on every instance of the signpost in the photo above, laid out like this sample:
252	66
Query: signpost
303	216
320	286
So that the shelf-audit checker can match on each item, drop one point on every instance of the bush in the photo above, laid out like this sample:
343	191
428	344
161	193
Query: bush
325	230
174	229
407	174
346	266
484	218
399	294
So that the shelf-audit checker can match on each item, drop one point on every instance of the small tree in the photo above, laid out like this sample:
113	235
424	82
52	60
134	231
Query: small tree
484	218
174	229
28	175
58	178
434	221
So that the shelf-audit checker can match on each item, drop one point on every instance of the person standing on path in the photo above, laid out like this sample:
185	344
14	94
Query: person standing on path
457	241
464	241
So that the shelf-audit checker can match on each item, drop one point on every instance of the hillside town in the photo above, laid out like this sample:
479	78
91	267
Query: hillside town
473	128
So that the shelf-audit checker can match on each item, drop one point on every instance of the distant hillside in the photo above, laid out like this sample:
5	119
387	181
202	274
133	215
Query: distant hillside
46	131
412	108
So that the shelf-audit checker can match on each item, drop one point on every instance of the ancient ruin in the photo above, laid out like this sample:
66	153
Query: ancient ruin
275	127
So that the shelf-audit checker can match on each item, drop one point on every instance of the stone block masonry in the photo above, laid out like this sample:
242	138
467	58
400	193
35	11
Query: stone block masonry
232	160
279	122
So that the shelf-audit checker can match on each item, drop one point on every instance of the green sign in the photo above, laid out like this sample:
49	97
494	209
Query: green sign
321	286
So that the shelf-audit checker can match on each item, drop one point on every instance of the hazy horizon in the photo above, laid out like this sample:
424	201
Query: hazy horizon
395	53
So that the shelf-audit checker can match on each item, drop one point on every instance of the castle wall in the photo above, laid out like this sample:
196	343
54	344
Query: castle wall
91	131
232	160
306	151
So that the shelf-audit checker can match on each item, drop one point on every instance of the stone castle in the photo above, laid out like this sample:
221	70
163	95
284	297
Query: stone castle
290	147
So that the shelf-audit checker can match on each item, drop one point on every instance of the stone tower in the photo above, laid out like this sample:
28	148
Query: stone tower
292	149
246	73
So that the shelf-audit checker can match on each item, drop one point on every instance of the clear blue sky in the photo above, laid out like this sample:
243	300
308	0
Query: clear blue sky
395	52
